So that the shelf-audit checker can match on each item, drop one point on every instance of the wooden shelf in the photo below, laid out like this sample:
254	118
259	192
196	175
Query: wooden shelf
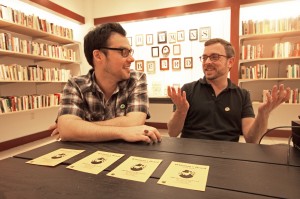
17	28
268	59
270	35
269	79
36	57
30	110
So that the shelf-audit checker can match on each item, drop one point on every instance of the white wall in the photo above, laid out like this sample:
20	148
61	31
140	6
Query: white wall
220	27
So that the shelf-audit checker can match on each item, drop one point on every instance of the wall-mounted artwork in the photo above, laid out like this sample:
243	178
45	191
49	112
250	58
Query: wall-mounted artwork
164	63
151	67
139	65
176	64
188	62
204	34
162	37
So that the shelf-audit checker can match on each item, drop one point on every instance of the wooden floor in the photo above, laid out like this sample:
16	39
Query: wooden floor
38	143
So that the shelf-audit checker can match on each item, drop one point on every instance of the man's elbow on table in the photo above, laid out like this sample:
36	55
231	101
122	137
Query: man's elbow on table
66	127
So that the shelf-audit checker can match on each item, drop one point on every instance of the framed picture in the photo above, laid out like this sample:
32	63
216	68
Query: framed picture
193	34
204	33
165	51
139	65
162	37
149	39
139	40
188	62
172	37
164	63
151	67
130	40
176	49
155	51
176	65
180	35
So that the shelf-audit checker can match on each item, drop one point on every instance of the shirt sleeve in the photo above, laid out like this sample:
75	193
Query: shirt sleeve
138	100
247	110
71	101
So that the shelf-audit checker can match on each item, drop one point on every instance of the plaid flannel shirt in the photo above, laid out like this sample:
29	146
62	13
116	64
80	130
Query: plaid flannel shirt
83	97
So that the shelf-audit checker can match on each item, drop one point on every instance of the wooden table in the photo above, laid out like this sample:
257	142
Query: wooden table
237	170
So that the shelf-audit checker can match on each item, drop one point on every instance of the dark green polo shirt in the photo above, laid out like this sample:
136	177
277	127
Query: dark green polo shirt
215	118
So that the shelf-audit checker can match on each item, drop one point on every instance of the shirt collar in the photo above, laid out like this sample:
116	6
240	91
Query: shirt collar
229	86
95	86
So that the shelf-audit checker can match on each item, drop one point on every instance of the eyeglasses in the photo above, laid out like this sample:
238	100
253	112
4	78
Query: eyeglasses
124	51
213	57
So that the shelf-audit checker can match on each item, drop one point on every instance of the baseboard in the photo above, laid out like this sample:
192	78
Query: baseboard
24	140
157	125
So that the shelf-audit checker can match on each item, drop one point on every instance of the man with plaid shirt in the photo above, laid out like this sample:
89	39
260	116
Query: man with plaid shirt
111	101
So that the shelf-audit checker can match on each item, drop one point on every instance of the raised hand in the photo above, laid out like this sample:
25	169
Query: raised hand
179	99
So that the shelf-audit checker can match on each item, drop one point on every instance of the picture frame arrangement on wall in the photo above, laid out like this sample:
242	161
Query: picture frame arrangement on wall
139	65
204	33
130	40
188	62
172	37
193	34
176	64
139	40
151	67
149	39
180	35
162	37
164	64
176	49
155	51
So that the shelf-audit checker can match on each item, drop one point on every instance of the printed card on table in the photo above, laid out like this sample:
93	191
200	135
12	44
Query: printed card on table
184	175
96	162
56	157
135	168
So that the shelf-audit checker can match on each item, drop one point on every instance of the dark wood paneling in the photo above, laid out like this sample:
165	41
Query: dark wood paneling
61	10
165	12
24	140
160	100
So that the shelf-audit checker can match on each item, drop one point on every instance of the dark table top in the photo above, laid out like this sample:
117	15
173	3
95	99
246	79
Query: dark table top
237	170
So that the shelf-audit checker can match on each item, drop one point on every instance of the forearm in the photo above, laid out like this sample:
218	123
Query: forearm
131	119
258	128
175	125
75	129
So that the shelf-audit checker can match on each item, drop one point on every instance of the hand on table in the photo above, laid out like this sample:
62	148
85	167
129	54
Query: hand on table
143	133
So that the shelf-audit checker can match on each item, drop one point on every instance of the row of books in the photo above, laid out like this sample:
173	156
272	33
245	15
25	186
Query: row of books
293	71
258	71
252	51
34	22
16	72
21	103
294	97
280	50
15	44
270	25
286	49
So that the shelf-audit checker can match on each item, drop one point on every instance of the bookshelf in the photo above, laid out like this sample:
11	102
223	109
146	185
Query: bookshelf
54	61
270	55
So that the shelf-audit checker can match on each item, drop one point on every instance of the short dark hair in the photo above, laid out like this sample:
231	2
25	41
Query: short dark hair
229	49
97	38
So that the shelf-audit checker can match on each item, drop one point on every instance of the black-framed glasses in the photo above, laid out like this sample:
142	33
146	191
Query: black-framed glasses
213	57
125	52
